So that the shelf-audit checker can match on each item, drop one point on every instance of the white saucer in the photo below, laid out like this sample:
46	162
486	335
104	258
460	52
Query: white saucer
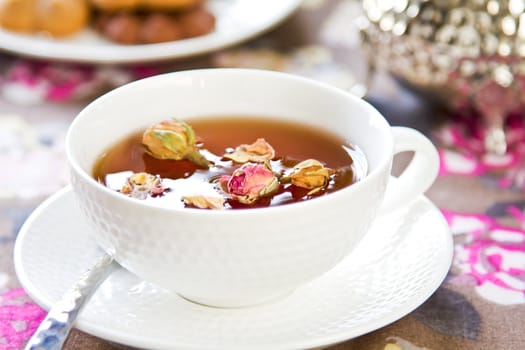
400	263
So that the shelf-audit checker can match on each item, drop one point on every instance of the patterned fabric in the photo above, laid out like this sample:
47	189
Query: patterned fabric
19	317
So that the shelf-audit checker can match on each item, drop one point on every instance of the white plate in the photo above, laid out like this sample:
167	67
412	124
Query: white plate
236	21
400	263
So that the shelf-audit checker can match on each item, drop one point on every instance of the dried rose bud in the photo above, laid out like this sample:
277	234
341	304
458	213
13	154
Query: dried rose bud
173	139
140	185
204	202
259	152
250	182
309	174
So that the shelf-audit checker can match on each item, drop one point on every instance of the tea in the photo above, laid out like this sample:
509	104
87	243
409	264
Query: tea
216	141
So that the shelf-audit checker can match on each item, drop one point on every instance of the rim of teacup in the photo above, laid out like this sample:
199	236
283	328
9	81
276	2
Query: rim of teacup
369	177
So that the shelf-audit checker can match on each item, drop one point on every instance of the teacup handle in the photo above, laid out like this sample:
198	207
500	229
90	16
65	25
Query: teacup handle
420	173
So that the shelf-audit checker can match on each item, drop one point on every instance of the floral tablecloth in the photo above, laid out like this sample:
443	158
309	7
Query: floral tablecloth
481	303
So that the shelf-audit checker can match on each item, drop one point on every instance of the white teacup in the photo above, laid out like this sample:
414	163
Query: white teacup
232	258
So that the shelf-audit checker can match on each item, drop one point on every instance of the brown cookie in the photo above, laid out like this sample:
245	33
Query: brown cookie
18	15
158	28
196	22
56	17
131	5
123	28
61	17
154	27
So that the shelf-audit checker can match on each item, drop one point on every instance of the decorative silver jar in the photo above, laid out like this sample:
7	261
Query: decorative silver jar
467	53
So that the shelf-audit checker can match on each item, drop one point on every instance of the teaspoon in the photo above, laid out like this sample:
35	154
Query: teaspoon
54	329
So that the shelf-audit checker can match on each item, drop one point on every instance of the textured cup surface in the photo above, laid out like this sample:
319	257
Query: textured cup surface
230	257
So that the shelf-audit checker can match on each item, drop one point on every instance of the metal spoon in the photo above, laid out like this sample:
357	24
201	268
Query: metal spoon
54	329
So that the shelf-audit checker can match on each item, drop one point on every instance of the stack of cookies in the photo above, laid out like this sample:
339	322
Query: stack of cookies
151	21
122	21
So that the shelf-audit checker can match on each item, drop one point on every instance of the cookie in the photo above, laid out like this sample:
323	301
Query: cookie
56	17
129	5
61	17
155	27
18	15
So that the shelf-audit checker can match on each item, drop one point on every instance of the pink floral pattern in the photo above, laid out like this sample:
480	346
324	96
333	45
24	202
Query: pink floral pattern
32	82
463	151
488	255
492	255
19	318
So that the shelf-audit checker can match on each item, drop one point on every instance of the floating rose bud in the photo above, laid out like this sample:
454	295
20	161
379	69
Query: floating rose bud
140	185
259	152
310	174
204	202
250	182
173	139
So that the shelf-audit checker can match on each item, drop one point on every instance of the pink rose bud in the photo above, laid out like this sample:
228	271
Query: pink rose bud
173	139
258	152
250	182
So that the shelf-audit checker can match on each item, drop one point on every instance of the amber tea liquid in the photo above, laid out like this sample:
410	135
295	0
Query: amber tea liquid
293	143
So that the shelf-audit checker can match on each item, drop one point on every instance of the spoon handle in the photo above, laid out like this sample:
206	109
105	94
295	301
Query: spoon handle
55	327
